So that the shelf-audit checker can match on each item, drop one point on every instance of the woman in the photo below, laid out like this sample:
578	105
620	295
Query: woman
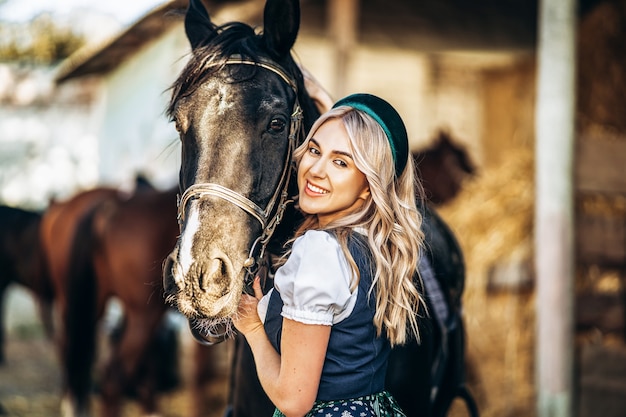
321	337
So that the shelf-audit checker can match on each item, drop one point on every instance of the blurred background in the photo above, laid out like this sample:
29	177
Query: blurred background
84	86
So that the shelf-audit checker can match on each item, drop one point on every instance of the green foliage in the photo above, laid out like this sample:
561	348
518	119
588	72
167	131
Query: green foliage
42	41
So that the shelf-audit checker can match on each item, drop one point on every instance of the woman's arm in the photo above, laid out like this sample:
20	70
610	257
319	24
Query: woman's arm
291	380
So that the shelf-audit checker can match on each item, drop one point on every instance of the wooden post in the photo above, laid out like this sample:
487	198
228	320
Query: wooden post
554	230
343	17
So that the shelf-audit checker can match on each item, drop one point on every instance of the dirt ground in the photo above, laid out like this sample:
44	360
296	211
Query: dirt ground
30	385
30	380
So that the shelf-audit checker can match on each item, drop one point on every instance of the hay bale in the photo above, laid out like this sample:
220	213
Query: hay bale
493	214
493	219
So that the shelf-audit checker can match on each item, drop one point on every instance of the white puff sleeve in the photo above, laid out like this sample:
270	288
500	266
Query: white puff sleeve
314	283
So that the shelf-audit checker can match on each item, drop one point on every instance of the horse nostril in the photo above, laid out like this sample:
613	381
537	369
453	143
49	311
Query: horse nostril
169	282
216	275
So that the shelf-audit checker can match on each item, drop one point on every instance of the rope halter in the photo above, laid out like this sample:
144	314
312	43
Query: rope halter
279	200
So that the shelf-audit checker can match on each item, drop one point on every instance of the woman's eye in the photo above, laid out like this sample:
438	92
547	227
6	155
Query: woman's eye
340	163
314	151
276	126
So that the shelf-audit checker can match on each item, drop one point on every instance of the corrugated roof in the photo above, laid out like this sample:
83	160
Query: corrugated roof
103	57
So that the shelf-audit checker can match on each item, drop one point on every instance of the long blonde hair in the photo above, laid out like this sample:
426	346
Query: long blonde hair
389	216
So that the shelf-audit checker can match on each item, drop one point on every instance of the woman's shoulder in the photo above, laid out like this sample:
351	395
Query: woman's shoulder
316	239
314	282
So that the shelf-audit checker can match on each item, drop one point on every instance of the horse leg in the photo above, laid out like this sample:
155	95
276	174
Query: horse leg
622	278
75	366
45	314
3	287
205	373
77	300
127	365
77	348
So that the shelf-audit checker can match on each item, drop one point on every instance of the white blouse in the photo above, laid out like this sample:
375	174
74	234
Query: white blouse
314	282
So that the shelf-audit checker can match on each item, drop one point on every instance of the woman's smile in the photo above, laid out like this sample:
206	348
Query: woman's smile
315	190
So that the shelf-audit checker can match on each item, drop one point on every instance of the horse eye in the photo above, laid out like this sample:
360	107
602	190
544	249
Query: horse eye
276	126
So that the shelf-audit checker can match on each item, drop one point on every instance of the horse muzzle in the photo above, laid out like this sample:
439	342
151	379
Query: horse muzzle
209	335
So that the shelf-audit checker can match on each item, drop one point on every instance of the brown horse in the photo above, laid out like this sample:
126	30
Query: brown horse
102	244
443	166
21	263
58	228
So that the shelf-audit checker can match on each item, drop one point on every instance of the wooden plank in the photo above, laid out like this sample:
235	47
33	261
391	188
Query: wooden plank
601	165
343	16
602	387
604	312
554	223
601	239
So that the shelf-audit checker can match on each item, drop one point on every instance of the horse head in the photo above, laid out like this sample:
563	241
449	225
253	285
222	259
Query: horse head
443	167
238	106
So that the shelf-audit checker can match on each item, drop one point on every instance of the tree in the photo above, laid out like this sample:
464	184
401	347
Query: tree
40	41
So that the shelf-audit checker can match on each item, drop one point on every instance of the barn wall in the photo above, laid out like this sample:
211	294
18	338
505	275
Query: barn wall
136	135
509	103
48	135
469	94
430	91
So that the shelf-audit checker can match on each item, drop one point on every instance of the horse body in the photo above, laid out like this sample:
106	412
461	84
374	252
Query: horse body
232	106
132	239
102	244
21	262
75	335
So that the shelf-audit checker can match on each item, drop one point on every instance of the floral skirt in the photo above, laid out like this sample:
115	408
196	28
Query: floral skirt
381	404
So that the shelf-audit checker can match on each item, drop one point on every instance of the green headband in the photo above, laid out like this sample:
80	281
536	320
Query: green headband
388	119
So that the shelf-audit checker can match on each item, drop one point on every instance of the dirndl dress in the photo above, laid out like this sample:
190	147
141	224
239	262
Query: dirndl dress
314	287
375	405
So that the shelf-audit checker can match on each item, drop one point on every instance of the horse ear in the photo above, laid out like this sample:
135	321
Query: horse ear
281	24
198	25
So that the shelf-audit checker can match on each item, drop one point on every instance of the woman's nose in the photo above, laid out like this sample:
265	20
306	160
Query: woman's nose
318	168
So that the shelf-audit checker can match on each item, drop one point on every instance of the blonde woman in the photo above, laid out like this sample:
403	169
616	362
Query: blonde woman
346	294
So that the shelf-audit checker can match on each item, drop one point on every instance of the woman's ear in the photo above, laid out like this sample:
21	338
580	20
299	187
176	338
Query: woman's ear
365	194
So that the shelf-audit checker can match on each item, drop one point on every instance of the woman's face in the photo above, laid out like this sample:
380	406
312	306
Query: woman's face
330	185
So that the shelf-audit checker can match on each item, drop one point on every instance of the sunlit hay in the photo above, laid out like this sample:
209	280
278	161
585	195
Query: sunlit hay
493	216
493	220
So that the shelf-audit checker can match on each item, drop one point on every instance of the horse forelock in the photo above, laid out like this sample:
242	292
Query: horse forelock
233	38
210	57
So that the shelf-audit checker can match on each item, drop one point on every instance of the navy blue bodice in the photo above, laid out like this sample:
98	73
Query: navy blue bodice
356	359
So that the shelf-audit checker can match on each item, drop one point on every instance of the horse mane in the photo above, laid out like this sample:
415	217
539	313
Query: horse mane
234	38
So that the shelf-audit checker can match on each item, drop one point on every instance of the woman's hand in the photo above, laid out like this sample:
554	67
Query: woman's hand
247	318
290	380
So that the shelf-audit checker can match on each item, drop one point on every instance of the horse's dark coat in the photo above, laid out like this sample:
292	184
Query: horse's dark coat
203	134
443	166
21	262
